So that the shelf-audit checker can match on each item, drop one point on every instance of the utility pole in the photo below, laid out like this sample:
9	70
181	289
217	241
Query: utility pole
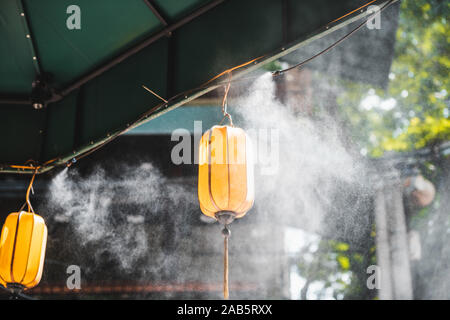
392	238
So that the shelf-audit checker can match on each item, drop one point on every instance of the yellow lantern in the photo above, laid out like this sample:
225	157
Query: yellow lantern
225	176
22	248
225	179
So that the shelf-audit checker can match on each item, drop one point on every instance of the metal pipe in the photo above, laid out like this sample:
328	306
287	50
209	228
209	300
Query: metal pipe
12	100
135	50
155	11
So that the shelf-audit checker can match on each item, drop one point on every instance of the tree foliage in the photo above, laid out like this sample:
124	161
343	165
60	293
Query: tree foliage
413	112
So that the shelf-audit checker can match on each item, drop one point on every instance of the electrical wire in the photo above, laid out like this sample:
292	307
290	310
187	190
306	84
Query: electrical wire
333	45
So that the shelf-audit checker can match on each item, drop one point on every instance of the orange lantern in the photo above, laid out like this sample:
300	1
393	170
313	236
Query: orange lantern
22	248
225	178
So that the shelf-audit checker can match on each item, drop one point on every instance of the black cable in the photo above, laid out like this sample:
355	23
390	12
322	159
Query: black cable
300	64
274	74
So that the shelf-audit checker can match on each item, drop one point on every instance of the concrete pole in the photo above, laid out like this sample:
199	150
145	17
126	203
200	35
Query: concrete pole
398	238
383	249
392	237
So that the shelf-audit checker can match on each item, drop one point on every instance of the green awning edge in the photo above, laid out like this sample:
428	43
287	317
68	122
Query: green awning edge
163	108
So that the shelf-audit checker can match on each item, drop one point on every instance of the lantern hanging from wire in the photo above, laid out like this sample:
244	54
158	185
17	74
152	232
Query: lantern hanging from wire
225	177
22	248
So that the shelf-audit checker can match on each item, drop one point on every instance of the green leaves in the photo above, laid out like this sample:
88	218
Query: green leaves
419	84
419	134
344	262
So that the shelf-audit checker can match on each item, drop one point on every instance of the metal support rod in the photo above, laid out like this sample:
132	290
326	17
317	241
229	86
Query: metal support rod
135	49
156	12
12	100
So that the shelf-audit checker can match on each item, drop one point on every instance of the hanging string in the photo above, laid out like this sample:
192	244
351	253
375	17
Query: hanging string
30	208
225	102
226	234
154	93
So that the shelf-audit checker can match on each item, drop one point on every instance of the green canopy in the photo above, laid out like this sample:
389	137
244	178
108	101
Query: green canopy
65	91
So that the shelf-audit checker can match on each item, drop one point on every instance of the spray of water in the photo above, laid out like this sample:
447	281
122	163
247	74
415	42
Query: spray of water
94	204
312	161
312	165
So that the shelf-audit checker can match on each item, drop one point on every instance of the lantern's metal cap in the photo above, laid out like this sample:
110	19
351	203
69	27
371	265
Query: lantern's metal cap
225	217
15	287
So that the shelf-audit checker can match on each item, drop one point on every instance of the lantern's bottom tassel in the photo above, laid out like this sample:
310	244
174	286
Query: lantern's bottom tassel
225	218
226	234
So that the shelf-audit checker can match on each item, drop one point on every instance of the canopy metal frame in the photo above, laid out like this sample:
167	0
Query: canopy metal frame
165	107
57	95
